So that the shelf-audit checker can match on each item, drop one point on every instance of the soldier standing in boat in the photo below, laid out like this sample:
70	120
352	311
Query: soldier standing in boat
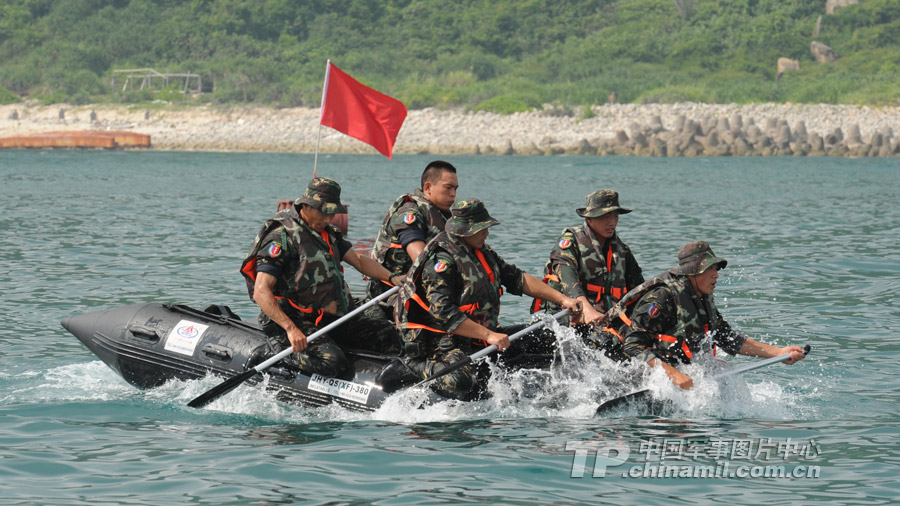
450	305
591	263
413	220
294	273
671	318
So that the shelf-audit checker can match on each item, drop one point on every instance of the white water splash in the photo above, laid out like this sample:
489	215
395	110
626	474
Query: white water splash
580	379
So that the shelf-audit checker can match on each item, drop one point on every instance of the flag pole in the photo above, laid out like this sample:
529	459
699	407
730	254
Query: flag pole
321	114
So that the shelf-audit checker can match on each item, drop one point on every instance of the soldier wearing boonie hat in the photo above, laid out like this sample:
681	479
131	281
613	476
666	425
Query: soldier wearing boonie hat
671	318
411	221
323	195
468	218
590	262
601	202
293	273
695	258
451	307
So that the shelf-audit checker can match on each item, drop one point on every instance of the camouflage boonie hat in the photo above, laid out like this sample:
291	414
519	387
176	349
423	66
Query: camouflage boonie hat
323	194
600	203
468	218
695	258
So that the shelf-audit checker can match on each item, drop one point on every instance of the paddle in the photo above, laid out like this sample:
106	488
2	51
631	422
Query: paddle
486	351
233	382
640	394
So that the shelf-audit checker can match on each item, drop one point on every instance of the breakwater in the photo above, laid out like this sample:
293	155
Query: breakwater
675	130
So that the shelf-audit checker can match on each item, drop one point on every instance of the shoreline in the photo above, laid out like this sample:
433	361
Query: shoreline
685	129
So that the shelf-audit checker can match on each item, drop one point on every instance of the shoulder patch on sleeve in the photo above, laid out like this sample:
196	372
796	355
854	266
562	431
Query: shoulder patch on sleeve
442	262
566	241
409	217
274	249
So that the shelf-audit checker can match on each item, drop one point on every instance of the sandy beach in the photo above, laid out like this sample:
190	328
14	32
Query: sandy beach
687	129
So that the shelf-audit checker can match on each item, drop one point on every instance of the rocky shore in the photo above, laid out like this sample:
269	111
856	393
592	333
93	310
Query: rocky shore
686	129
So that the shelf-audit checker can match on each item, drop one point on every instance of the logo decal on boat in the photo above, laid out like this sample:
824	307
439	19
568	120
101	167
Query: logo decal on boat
409	217
184	336
188	331
274	249
440	266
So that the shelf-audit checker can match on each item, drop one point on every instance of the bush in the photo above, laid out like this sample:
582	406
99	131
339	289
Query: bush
505	104
8	97
672	94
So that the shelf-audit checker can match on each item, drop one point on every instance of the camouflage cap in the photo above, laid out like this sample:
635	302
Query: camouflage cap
323	194
468	218
695	258
600	203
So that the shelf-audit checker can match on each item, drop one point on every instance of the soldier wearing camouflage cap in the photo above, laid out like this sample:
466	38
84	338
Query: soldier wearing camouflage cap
590	262
413	220
452	306
294	273
666	320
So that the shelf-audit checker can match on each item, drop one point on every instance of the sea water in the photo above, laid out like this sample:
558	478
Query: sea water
812	249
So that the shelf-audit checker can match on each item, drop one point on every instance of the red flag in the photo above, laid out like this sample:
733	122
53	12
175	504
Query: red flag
360	112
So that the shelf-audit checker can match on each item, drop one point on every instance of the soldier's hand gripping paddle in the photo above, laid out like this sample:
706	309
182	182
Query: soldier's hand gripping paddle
486	351
641	395
233	382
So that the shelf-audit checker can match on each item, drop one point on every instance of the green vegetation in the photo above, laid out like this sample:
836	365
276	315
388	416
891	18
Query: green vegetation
502	56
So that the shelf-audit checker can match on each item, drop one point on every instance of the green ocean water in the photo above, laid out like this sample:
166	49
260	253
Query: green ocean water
812	246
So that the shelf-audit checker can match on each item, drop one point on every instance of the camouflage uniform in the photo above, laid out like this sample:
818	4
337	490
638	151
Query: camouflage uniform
310	287
580	265
670	320
452	282
410	211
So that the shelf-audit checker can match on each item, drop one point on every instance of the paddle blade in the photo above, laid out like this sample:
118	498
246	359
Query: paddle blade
221	389
641	395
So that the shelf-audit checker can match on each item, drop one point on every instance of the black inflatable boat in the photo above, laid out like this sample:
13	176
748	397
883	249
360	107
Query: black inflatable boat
150	344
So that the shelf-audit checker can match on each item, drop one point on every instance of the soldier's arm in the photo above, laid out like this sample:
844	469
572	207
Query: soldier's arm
730	340
442	286
654	314
442	291
412	240
414	249
472	330
536	288
264	296
565	262
762	350
411	230
369	267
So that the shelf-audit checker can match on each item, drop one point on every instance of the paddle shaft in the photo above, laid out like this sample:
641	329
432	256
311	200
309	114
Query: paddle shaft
757	365
233	382
315	335
488	350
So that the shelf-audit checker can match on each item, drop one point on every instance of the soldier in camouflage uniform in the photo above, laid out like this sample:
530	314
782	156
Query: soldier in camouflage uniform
294	273
672	317
413	220
450	305
591	263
